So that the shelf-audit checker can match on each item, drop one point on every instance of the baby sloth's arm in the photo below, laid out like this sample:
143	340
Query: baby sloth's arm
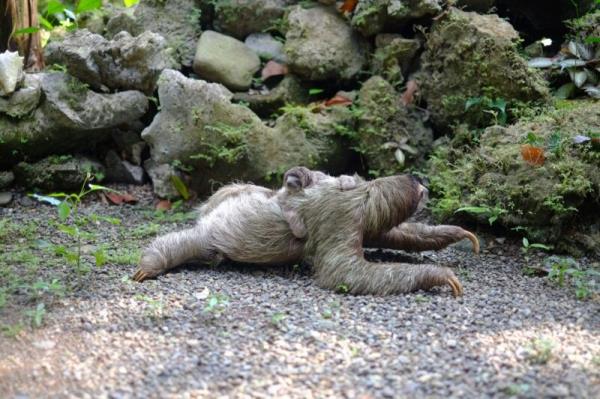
298	178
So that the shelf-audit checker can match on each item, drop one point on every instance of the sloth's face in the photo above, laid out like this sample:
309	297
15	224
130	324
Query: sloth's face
297	178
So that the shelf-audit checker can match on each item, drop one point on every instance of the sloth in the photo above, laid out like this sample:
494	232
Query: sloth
340	223
253	224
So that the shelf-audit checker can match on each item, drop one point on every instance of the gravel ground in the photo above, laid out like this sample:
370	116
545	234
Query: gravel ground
244	331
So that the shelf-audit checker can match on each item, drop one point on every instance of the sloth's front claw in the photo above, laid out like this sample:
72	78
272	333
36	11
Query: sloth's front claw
473	238
140	276
457	288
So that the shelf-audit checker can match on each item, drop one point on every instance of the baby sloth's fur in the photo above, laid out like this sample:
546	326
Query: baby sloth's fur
252	224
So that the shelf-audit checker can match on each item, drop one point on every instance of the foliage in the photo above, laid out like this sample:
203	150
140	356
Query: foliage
216	304
540	351
72	222
492	213
494	107
567	271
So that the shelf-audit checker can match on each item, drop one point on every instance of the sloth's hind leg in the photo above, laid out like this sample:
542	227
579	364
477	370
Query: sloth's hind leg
174	249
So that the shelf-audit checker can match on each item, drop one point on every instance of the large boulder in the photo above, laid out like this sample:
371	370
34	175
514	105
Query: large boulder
467	56
552	198
239	18
374	16
224	59
200	131
70	117
178	21
124	63
321	45
390	135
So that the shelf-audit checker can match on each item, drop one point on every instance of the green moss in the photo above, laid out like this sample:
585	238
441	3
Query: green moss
544	199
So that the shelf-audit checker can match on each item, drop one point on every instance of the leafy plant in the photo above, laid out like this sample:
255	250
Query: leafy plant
37	315
155	307
527	246
495	107
71	222
216	304
580	62
491	213
540	351
565	270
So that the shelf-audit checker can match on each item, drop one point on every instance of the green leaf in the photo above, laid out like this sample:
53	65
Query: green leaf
45	23
64	210
592	40
130	3
100	256
315	91
472	101
96	187
88	5
44	198
180	187
26	31
54	7
525	242
70	230
540	246
474	209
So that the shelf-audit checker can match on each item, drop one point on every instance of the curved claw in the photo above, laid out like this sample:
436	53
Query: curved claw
473	238
140	276
457	288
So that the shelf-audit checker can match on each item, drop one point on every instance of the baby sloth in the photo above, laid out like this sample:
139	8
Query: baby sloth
252	224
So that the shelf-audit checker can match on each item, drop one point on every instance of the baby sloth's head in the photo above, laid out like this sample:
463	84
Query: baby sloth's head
297	178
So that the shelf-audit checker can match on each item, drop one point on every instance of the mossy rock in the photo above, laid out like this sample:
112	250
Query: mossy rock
553	202
391	136
56	173
469	55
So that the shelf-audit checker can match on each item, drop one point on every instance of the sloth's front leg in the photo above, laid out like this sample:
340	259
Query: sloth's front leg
421	237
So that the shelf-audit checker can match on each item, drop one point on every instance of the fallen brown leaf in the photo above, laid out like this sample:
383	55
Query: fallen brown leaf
408	97
120	198
349	5
273	68
338	100
163	205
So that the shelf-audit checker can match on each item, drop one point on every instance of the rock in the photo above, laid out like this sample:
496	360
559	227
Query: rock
161	176
5	198
374	16
223	59
239	18
11	72
55	173
122	21
123	63
6	179
553	209
129	143
178	21
393	56
266	47
22	101
320	45
289	91
70	117
120	171
199	129
471	55
481	6
391	136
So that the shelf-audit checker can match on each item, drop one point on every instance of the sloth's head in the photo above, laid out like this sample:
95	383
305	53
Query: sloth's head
297	178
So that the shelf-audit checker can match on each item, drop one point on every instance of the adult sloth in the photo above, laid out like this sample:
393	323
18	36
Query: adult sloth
248	223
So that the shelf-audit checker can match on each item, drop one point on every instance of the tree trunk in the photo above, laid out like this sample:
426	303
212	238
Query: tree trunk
21	14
